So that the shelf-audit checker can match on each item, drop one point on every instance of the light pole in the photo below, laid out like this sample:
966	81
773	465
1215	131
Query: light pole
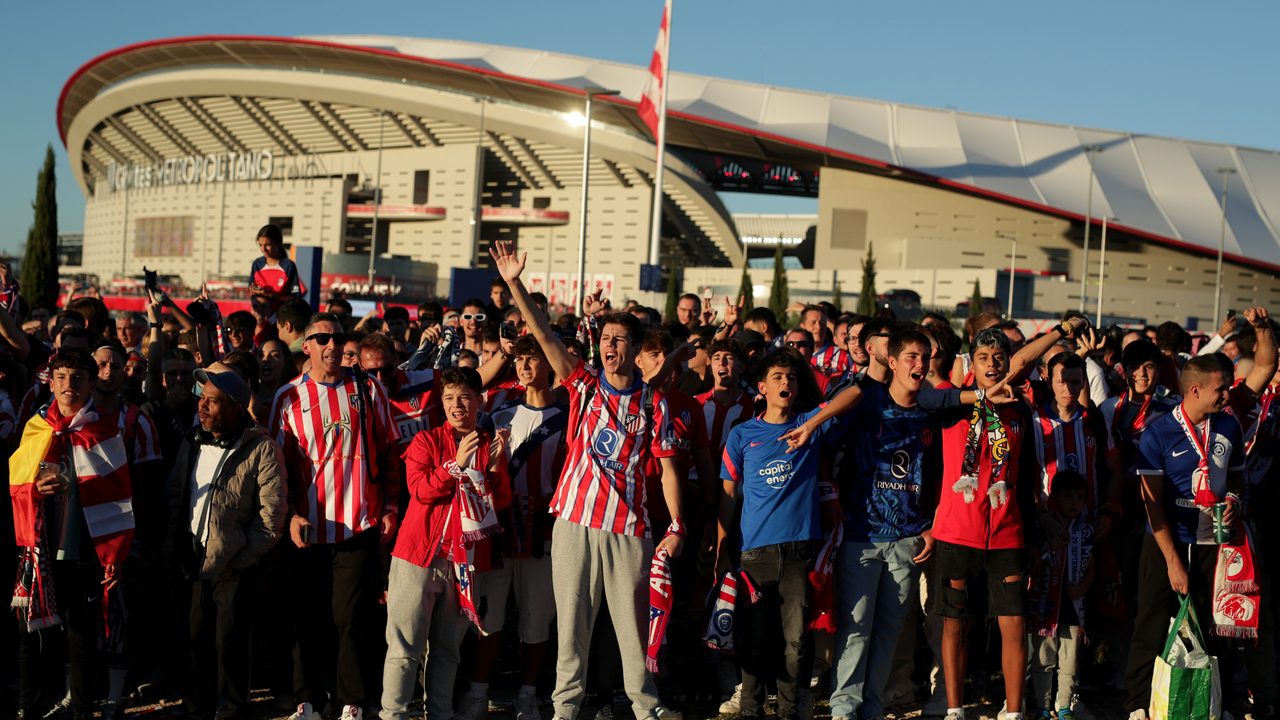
586	185
1013	260
1226	174
1102	270
479	194
1088	213
377	199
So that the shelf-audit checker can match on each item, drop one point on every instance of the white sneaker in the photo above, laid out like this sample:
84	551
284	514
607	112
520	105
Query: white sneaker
666	713
305	712
955	716
527	707
473	708
733	705
351	712
1139	714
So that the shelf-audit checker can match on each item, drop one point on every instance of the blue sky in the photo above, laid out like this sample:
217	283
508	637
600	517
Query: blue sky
1196	70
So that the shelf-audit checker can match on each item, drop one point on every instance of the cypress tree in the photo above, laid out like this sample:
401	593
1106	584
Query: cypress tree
39	277
837	295
745	288
867	295
778	299
975	302
673	292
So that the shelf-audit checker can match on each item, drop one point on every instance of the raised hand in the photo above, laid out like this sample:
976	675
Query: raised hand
731	311
592	303
504	258
1228	326
1088	341
1257	317
708	315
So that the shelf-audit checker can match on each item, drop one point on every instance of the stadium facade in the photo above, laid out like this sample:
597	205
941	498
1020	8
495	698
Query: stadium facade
184	147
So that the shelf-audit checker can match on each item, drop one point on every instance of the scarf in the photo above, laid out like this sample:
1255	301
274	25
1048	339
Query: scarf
659	606
1064	445
823	587
471	519
1264	410
985	421
1062	568
1200	487
97	457
1139	423
1236	597
723	601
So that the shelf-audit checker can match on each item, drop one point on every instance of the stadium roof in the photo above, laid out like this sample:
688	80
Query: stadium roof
1164	189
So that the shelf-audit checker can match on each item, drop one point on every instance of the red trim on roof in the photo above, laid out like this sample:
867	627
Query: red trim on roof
907	173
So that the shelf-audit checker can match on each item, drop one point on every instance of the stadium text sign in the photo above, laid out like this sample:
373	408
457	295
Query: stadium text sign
192	170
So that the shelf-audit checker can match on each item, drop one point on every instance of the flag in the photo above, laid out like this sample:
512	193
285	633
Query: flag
653	99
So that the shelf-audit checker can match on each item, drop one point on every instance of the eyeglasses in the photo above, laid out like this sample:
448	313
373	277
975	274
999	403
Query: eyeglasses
325	338
478	317
799	344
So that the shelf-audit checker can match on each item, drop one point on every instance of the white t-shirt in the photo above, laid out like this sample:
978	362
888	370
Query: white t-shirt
201	480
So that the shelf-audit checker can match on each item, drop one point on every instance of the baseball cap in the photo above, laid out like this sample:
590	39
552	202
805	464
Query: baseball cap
226	380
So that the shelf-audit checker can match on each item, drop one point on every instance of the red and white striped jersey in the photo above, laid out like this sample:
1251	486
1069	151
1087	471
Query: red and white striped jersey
535	453
415	406
502	395
319	426
831	360
721	418
1072	444
140	437
609	441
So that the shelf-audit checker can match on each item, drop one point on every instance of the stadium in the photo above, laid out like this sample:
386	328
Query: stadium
422	152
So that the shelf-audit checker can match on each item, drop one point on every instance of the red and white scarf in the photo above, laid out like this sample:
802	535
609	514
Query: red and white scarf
91	445
660	601
723	602
1201	443
1236	597
820	577
472	518
1062	568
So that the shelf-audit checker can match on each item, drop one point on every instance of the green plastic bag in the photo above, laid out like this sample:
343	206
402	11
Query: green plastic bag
1185	684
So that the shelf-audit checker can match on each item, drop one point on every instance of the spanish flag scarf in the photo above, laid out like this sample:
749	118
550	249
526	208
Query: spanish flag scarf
90	444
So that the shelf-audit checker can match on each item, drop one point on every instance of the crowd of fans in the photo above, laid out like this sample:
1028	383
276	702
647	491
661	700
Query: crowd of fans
685	514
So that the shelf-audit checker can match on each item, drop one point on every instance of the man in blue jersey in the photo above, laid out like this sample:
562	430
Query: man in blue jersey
779	495
888	485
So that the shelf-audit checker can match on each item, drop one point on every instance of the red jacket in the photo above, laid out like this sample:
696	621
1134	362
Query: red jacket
432	476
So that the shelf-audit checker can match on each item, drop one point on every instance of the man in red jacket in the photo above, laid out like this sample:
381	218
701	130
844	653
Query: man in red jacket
457	479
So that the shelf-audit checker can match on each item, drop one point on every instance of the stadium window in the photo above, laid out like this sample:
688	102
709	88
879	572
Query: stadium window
285	223
421	180
541	203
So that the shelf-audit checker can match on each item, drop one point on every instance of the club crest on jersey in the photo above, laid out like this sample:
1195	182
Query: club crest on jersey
415	403
355	402
633	423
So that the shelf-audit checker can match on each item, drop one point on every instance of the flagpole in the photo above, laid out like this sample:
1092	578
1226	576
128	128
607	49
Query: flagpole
655	225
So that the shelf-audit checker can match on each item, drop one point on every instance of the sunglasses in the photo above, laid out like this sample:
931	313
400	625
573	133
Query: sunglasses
325	338
385	371
478	317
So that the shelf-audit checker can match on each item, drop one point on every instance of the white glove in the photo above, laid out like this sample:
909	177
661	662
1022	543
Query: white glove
998	494
967	484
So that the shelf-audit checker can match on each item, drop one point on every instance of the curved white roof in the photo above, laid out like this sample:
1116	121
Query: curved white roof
1165	188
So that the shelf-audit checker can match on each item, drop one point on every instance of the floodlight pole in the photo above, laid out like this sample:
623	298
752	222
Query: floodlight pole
1013	260
478	197
586	186
377	199
1088	213
1102	272
1226	174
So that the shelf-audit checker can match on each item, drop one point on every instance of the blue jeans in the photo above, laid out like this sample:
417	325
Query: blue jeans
874	584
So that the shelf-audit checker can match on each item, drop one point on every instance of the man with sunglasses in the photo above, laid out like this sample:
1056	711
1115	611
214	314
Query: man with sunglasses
415	405
801	341
341	452
473	320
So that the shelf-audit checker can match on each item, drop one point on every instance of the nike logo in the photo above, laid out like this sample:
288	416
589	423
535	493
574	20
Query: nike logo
755	444
1184	452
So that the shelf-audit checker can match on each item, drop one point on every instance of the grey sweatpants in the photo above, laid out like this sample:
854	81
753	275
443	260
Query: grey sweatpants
422	614
1055	656
587	566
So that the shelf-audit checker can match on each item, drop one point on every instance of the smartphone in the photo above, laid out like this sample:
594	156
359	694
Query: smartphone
507	331
308	533
1231	314
151	279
